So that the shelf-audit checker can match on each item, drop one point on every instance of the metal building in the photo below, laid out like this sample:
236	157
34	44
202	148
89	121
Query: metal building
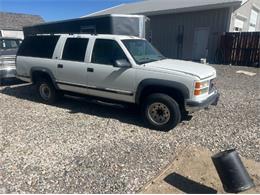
189	29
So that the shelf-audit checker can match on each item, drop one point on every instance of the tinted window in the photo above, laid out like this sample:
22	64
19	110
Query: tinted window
11	44
75	49
38	46
107	52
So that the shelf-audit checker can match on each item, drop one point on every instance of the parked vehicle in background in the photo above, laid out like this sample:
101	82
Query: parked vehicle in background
8	50
117	68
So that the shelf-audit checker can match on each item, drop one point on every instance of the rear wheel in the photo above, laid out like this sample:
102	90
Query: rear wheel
47	91
161	112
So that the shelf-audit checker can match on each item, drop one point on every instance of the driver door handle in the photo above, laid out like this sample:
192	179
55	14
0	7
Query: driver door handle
60	66
90	69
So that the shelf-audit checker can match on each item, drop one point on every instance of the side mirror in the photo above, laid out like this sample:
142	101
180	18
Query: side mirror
122	63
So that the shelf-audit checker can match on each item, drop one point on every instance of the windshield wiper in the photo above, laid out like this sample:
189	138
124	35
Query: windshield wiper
148	60
161	58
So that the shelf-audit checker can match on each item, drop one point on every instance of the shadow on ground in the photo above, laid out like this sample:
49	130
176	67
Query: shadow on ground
10	82
188	186
124	113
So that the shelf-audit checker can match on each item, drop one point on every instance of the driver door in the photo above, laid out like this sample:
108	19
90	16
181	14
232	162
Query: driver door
106	80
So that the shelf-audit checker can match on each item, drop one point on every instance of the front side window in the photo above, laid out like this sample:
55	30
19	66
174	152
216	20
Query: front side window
38	46
75	49
107	52
142	51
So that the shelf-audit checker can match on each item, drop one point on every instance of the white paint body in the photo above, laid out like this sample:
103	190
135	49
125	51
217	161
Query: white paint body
113	78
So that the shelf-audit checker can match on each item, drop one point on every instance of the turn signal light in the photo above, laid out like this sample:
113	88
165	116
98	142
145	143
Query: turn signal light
201	88
199	85
197	92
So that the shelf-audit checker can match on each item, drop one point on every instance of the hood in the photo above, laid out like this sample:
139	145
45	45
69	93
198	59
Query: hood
192	68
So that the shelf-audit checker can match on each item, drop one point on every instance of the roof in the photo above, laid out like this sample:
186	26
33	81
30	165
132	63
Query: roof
15	21
156	7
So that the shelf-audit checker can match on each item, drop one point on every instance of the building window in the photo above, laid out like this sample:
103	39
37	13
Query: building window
253	20
238	26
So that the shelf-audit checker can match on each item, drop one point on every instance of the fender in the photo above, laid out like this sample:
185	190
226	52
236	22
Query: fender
46	71
161	83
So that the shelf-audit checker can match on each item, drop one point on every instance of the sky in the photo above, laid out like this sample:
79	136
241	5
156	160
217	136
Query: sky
52	10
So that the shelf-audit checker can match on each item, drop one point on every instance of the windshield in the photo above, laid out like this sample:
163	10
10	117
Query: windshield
142	51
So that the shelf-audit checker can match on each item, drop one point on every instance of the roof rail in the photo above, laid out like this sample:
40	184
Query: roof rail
52	34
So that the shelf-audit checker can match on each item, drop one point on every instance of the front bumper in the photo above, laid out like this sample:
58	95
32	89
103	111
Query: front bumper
8	72
192	106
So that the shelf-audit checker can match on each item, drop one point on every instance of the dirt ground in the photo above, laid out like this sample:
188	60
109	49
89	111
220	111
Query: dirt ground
80	146
193	172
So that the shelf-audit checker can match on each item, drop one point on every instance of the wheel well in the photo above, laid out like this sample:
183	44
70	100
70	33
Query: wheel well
176	94
39	75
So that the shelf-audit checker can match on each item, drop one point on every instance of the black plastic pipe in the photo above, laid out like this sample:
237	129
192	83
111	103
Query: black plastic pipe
232	172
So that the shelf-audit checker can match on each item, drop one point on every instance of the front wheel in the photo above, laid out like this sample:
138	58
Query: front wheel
161	112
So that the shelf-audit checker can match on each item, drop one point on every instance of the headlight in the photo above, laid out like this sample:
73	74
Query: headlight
201	88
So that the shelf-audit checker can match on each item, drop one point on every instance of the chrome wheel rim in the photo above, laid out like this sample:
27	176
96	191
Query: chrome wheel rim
45	91
159	113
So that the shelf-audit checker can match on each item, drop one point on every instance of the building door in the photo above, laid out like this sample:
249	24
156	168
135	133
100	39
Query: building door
200	43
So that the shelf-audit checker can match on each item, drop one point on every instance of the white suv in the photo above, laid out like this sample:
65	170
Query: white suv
119	68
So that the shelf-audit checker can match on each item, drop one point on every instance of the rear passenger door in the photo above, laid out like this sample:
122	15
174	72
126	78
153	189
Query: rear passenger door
72	67
106	80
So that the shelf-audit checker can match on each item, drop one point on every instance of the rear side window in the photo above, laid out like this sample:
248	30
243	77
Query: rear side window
75	49
107	52
38	46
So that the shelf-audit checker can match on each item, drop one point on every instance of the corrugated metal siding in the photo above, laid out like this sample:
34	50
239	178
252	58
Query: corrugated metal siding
165	31
149	7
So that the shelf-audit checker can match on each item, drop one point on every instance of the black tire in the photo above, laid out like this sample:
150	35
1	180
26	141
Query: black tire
44	86
155	102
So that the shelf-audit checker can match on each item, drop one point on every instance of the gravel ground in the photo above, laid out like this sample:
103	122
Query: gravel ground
81	147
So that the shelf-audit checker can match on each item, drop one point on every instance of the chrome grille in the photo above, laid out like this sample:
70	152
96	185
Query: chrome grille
7	61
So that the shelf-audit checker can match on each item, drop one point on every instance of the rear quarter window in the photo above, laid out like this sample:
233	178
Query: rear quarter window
38	46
